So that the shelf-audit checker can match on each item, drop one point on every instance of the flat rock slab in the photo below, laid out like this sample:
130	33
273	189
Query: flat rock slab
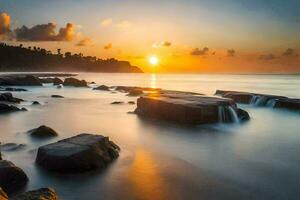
292	104
12	178
183	108
40	194
80	153
24	80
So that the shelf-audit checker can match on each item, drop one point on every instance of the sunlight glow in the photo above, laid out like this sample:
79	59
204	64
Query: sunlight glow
153	60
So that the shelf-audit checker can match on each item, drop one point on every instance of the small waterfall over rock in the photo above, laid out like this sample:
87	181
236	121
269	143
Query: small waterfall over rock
258	100
271	102
227	114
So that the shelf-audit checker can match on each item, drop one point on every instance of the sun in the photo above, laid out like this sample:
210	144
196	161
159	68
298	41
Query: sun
153	60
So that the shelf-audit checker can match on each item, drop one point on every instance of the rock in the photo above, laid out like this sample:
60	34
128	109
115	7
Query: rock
27	80
102	87
43	132
3	195
9	89
80	153
5	108
47	80
131	102
56	96
12	178
250	98
40	194
292	104
75	82
135	92
117	102
9	98
243	115
12	147
57	81
185	108
59	86
130	88
35	103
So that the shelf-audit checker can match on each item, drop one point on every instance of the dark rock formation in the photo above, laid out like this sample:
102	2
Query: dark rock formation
40	194
35	103
9	98
128	89
117	102
9	89
135	92
27	80
243	115
56	96
5	108
80	153
186	108
43	132
47	80
75	82
12	147
131	102
102	87
57	81
12	178
292	104
3	195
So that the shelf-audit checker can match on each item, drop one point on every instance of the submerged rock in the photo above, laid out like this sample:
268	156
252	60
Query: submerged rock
80	153
12	178
28	80
131	102
187	109
117	102
12	147
75	82
8	97
35	103
56	96
40	194
43	132
102	87
5	108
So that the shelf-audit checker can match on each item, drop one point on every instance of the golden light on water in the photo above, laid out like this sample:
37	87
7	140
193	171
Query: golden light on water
153	60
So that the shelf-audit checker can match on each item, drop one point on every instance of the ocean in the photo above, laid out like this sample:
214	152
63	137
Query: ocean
258	159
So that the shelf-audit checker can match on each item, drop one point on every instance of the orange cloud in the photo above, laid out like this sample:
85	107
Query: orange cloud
84	42
162	44
198	52
108	46
45	32
4	24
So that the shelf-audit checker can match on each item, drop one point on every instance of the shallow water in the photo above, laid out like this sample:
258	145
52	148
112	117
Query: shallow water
254	160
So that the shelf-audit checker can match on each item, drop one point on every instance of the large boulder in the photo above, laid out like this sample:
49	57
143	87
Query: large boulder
80	153
12	178
43	132
27	80
5	108
40	194
3	195
187	108
75	82
9	98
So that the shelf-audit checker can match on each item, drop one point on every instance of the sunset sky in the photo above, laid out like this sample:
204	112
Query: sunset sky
208	36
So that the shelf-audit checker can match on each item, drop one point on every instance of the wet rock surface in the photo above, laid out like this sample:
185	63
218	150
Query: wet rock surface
75	82
80	153
184	108
12	178
102	87
8	97
5	108
43	132
40	194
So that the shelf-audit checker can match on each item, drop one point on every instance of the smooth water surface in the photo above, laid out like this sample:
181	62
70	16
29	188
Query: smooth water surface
159	160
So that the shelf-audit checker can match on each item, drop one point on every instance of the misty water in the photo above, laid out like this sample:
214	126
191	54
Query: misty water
258	159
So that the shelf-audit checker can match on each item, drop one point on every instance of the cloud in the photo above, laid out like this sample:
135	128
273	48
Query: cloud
199	52
124	24
231	52
84	42
162	44
108	46
106	22
289	52
4	25
45	32
267	57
